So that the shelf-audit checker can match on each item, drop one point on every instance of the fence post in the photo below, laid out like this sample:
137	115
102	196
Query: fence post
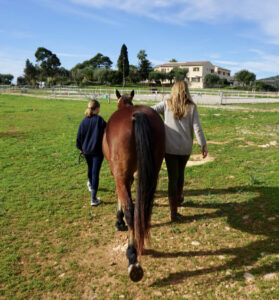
221	98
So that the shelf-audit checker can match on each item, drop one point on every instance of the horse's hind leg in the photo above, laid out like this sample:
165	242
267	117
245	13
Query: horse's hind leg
120	223
134	269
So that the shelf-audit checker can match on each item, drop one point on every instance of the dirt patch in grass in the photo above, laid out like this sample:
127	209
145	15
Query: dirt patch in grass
11	132
197	160
270	144
222	142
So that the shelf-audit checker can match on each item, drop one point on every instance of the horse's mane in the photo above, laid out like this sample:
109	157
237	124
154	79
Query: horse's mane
127	99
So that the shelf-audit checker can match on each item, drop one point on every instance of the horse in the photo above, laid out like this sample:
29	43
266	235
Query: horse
134	141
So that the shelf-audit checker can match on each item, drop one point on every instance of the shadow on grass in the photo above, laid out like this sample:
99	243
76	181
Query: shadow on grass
258	216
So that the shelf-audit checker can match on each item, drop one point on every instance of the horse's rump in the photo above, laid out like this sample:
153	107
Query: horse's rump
119	139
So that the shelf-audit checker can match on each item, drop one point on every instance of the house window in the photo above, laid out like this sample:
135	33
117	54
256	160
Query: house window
212	71
219	72
196	69
224	73
163	70
196	79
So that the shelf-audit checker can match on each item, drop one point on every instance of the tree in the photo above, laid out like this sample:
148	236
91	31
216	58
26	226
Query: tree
88	74
171	75
62	76
180	73
223	82
114	77
262	86
100	75
6	78
244	77
144	65
134	75
21	81
98	61
123	63
49	62
173	60
84	72
77	75
30	73
158	77
211	80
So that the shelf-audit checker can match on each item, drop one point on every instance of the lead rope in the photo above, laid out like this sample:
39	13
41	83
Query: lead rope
81	155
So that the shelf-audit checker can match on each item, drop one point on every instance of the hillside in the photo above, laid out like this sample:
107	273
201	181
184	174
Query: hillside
274	80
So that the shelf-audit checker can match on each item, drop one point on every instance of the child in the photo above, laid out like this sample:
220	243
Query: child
89	142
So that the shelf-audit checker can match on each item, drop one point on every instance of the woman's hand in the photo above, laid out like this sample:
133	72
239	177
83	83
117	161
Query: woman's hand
204	151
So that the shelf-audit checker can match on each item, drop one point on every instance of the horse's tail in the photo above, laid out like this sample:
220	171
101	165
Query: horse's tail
147	178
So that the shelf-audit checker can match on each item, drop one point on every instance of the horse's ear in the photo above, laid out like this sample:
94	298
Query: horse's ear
132	93
118	94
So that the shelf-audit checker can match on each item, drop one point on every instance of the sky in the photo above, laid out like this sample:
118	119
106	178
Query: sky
235	34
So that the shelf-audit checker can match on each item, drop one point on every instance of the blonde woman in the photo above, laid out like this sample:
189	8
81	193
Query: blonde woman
181	121
89	142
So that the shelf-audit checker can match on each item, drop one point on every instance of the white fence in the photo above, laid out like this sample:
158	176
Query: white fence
203	96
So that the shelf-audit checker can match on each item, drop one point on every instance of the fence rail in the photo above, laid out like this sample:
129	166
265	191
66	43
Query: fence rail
203	96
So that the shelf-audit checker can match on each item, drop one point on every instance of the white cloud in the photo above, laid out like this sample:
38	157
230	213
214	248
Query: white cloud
67	8
263	64
262	13
227	62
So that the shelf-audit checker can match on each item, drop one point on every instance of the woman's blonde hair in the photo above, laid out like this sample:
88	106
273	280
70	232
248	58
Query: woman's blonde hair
180	99
92	105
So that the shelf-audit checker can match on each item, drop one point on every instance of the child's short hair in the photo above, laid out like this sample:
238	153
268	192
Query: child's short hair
92	105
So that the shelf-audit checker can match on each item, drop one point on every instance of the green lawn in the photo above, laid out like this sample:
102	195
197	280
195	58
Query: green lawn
55	246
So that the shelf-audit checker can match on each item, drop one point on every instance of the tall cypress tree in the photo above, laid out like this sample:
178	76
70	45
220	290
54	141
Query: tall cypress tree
123	63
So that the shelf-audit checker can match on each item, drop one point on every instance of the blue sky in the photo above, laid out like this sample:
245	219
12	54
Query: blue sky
235	34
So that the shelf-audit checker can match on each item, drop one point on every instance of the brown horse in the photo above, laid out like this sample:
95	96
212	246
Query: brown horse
134	140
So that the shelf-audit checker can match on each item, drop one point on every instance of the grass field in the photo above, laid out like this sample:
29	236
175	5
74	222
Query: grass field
55	246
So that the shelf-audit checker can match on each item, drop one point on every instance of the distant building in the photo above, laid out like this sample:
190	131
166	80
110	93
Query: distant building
197	71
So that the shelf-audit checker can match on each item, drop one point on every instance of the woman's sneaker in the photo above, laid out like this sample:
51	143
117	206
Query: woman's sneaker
96	202
89	186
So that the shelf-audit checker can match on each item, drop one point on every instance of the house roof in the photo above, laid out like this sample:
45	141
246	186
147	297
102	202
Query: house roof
191	63
188	63
222	69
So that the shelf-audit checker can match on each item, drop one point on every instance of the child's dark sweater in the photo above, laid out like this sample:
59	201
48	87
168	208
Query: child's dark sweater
90	135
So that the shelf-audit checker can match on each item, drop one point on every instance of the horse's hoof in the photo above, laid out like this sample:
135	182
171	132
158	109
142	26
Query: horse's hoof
135	272
121	227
